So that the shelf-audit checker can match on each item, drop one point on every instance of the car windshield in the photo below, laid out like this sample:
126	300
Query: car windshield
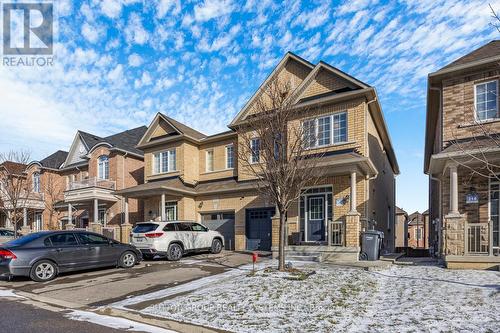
25	239
145	227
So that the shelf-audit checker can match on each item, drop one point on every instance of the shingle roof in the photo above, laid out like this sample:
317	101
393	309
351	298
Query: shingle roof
185	129
126	140
400	211
55	160
14	168
489	50
483	143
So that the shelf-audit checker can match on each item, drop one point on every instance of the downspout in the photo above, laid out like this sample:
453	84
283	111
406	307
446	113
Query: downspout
368	179
122	201
440	227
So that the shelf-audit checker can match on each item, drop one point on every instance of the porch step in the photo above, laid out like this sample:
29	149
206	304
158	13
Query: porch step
304	258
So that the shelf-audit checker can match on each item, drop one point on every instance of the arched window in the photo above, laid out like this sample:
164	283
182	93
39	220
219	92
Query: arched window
36	182
103	167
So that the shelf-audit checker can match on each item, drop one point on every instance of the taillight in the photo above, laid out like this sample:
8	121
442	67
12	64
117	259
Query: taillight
154	235
6	254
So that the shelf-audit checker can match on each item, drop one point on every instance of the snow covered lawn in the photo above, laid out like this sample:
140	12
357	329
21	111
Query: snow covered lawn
398	299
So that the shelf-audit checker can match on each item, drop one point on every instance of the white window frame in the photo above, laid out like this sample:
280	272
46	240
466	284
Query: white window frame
227	156
171	156
104	161
475	101
332	130
36	182
210	167
252	153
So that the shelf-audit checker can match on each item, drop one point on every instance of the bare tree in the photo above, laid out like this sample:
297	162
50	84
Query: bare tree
53	193
273	148
14	184
496	18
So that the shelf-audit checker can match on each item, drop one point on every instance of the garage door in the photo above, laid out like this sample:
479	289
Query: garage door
223	223
258	229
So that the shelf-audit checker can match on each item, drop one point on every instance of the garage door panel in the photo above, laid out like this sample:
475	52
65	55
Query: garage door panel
223	223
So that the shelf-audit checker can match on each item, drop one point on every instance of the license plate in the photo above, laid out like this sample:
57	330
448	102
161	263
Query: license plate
139	240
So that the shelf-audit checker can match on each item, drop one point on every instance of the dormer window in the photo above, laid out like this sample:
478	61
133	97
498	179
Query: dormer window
486	100
36	182
103	167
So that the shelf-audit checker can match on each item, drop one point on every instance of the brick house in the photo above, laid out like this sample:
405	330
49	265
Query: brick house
418	224
462	105
192	176
401	229
78	186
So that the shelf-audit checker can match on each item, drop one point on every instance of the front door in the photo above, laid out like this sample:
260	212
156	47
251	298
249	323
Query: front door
316	219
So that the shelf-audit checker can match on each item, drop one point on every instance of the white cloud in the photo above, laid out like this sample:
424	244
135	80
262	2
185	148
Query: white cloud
134	31
211	9
116	74
134	60
164	6
91	33
111	8
145	80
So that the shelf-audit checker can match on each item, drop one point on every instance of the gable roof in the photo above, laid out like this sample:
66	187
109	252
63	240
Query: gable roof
180	128
492	49
400	211
14	168
55	160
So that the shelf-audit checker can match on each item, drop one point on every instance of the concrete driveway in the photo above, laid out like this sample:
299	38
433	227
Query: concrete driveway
106	286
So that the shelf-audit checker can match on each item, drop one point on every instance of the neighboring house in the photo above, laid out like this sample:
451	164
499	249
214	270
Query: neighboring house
417	230
78	186
401	229
462	105
193	176
26	200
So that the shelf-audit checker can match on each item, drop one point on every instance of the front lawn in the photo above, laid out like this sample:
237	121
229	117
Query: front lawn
398	299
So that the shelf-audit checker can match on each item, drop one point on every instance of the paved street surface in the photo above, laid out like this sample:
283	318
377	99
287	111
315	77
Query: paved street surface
22	318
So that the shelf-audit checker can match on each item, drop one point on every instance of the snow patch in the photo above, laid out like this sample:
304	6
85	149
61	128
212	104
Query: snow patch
8	293
114	322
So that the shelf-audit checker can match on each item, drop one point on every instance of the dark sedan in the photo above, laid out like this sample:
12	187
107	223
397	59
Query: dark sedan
43	255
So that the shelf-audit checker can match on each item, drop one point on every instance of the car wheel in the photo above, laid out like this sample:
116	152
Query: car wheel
174	252
216	246
128	260
43	271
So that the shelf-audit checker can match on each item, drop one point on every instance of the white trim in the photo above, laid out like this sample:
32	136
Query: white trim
316	129
169	167
226	156
251	150
475	101
306	216
208	167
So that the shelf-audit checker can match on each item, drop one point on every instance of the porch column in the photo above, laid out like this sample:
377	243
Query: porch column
125	211
8	222
70	214
453	190
96	211
162	208
25	217
352	196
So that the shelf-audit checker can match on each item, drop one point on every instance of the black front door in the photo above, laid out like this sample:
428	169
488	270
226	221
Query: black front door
258	229
316	218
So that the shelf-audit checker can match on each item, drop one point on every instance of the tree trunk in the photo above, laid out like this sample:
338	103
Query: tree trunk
281	253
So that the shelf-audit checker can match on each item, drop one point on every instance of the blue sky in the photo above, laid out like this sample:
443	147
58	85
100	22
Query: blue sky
118	62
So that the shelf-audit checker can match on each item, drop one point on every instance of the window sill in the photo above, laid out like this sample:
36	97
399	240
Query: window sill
216	171
332	145
479	122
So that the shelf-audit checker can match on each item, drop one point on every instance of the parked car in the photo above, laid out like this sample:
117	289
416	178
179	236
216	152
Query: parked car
6	235
43	255
175	238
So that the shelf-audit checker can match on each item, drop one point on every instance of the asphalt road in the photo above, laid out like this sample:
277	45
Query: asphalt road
17	317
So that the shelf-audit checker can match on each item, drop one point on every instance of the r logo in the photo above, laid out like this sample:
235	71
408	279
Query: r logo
35	37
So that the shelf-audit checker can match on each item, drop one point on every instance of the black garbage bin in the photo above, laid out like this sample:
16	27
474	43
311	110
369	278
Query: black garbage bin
371	244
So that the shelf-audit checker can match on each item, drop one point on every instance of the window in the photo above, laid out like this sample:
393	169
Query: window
324	131
210	160
486	100
36	182
418	233
145	227
164	162
92	239
198	227
184	226
255	150
63	240
229	157
170	227
339	127
102	216
103	167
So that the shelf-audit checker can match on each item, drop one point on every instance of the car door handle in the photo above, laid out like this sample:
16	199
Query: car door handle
59	250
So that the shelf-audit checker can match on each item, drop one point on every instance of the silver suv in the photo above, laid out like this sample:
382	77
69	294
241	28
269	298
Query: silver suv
173	239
